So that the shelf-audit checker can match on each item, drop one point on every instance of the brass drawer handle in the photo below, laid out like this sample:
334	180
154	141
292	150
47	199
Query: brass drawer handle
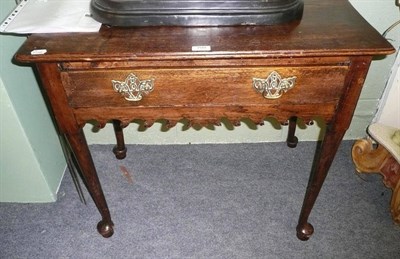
133	88
274	86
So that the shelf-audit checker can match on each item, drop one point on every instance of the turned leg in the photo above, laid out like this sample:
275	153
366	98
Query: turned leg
323	160
81	151
119	149
333	136
292	140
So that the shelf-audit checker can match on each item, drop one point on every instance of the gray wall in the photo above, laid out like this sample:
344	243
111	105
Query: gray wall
31	161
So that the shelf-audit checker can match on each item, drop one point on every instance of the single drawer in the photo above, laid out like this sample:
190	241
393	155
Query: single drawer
187	87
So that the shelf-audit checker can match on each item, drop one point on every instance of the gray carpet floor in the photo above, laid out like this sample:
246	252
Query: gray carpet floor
209	201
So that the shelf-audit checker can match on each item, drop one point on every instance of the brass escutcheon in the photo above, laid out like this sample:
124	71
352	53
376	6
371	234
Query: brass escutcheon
274	86
133	88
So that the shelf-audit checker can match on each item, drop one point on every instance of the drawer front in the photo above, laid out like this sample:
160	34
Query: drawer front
187	87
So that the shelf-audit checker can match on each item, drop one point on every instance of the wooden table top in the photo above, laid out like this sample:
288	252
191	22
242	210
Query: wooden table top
328	28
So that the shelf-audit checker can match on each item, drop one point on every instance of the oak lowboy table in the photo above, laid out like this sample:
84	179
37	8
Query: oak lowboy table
313	67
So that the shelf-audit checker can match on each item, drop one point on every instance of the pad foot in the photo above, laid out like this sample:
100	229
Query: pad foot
106	229
119	153
304	232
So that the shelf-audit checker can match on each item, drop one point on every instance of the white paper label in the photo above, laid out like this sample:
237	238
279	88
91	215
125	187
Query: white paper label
201	48
38	51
